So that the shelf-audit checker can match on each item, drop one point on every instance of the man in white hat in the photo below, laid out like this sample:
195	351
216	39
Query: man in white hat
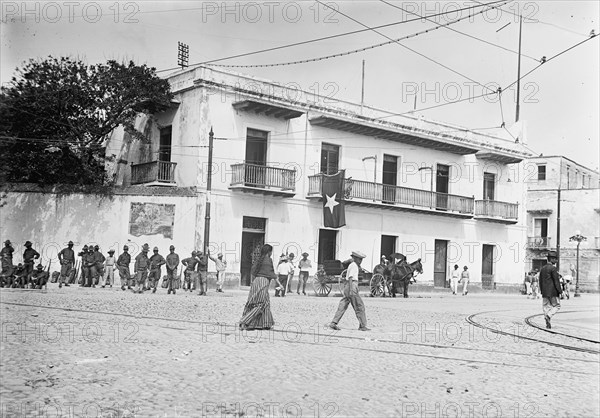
351	296
221	266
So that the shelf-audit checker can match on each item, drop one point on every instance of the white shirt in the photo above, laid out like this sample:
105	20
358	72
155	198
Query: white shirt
456	274
284	268
352	273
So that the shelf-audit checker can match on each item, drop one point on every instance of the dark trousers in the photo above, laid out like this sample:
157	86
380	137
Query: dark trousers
351	297
283	279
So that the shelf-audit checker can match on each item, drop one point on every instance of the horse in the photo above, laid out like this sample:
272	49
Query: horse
402	273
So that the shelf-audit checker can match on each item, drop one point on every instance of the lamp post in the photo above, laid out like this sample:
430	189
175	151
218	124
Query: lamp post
577	237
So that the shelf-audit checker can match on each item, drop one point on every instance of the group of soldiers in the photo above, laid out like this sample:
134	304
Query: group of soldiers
94	269
23	275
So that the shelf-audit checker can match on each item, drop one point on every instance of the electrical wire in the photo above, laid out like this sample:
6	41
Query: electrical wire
324	38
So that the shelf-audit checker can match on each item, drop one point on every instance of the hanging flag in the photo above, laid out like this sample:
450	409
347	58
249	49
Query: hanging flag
332	188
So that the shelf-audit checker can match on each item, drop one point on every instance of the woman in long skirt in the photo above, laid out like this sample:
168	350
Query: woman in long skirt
257	312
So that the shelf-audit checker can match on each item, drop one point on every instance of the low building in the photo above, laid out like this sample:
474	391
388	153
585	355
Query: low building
563	199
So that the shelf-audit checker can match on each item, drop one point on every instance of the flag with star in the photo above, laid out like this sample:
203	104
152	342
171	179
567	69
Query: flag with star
333	200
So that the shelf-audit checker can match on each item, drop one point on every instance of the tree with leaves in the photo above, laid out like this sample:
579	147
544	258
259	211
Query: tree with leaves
57	114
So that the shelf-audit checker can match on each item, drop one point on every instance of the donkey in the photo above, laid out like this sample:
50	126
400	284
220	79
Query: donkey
401	274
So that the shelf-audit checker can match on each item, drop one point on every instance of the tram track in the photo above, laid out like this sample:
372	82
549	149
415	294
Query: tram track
528	321
308	336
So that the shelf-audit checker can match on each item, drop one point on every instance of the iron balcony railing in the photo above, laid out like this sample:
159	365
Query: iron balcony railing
397	195
538	242
153	172
262	176
495	209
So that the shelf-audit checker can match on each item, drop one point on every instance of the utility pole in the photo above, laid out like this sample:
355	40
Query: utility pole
558	232
519	70
208	192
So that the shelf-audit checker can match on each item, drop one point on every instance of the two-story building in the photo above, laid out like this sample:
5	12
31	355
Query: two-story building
426	189
563	199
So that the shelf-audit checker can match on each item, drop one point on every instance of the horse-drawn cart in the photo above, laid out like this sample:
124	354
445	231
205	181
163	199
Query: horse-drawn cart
333	272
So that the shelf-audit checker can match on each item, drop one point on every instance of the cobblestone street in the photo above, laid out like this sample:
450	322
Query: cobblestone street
104	352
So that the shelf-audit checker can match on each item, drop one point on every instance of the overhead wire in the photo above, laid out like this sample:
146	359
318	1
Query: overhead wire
354	51
324	38
405	47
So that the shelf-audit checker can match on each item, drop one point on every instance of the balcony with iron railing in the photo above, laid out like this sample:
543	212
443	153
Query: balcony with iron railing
538	243
154	173
495	211
366	193
262	179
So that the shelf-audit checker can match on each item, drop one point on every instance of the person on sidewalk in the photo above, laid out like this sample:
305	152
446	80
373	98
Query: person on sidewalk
172	278
123	265
535	284
292	264
141	266
66	259
283	270
221	266
351	296
202	273
454	279
305	266
156	261
550	288
464	278
190	266
98	267
109	269
257	311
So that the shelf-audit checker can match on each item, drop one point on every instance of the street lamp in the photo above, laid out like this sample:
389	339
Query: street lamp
577	237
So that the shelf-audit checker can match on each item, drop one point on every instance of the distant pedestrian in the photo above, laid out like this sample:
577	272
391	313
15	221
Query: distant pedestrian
257	311
528	284
6	256
66	258
351	296
123	265
221	266
156	261
283	270
29	257
190	267
454	278
550	288
464	278
142	264
202	284
292	263
535	284
110	264
305	266
172	262
97	269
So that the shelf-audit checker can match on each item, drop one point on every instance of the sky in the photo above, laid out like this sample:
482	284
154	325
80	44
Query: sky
463	50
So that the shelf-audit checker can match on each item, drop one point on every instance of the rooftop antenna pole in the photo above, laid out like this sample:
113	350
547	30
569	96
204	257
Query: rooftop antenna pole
519	70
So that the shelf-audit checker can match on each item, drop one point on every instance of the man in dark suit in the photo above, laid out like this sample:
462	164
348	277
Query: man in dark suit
550	288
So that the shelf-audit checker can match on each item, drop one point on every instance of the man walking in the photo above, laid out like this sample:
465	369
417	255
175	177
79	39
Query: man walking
221	266
123	265
351	296
172	263
66	258
550	288
454	279
141	266
156	261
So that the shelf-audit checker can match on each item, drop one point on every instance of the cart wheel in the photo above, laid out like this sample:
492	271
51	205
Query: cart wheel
320	286
341	278
377	285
